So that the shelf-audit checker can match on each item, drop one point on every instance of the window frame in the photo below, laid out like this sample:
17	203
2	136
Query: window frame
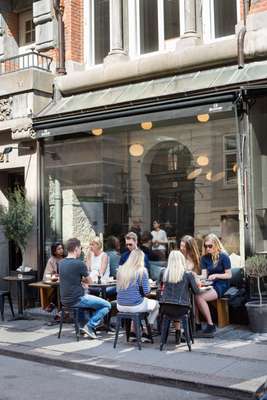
226	182
134	29
89	36
208	23
23	18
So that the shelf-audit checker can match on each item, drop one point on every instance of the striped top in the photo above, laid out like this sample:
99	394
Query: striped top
131	296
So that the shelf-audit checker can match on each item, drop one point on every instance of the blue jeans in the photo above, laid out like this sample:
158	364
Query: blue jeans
101	307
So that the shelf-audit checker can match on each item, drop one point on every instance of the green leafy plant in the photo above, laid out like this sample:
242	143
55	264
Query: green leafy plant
256	267
17	219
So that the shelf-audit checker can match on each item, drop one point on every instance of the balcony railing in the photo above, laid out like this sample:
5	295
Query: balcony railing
28	60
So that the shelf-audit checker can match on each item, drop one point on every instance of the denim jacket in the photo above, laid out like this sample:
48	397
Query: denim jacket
178	293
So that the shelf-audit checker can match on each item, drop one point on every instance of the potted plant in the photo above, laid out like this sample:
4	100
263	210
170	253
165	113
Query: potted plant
256	267
17	220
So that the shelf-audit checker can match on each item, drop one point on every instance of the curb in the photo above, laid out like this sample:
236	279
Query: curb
152	378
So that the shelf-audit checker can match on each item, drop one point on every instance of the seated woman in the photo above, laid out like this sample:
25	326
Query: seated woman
188	246
216	267
176	284
113	253
133	286
97	260
57	254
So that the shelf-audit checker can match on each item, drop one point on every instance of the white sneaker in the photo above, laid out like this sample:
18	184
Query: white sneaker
88	331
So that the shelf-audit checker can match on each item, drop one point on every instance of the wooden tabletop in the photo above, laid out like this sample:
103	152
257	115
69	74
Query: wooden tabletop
16	278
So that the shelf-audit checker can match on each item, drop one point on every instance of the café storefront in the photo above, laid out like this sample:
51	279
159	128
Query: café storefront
164	149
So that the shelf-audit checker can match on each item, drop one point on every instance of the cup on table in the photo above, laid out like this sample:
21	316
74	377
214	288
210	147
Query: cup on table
48	277
20	276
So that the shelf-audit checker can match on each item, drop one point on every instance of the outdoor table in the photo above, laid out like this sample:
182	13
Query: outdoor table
20	282
43	286
102	287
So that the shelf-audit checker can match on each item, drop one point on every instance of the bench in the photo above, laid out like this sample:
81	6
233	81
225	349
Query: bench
222	308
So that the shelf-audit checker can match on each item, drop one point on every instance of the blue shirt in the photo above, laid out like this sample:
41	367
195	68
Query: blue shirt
132	296
125	256
223	264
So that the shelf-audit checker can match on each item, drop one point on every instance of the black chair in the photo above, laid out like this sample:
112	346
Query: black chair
75	311
3	295
176	312
137	318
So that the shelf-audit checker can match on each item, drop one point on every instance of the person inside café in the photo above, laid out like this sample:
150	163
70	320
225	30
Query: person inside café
51	271
132	288
146	244
72	272
131	243
177	282
216	268
159	241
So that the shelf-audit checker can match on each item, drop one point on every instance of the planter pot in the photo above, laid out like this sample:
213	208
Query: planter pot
257	316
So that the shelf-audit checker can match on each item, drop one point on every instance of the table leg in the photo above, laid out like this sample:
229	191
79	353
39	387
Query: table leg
20	297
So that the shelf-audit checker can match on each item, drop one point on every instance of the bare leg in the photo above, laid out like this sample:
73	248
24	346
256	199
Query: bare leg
202	304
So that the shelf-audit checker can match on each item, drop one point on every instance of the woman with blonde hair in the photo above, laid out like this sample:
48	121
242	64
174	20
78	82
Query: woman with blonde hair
176	284
97	260
189	248
216	267
133	286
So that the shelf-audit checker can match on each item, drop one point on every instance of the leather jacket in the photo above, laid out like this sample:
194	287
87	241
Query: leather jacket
179	293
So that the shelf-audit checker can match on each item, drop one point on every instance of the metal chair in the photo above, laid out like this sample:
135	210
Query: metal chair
165	325
75	311
137	319
5	294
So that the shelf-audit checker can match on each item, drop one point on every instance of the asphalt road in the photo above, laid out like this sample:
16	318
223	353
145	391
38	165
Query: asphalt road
24	380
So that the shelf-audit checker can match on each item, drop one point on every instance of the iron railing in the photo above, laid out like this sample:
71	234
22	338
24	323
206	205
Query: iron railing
28	60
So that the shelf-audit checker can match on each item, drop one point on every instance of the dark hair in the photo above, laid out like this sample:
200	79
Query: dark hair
146	236
72	244
54	247
111	243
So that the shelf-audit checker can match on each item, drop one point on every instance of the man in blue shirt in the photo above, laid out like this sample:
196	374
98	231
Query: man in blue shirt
131	244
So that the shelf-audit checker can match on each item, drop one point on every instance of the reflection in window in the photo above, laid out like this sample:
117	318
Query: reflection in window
171	19
148	26
101	30
230	159
225	17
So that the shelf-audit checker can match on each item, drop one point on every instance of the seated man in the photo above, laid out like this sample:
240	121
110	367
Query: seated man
72	272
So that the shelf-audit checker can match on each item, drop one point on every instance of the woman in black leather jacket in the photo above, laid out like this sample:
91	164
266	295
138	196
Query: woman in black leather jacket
176	284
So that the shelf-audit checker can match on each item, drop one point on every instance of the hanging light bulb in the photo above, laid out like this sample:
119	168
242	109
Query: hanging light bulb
203	117
136	149
97	131
203	160
209	175
235	168
194	174
146	125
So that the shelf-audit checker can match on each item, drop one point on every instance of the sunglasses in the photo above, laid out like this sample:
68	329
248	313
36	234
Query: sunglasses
129	245
208	246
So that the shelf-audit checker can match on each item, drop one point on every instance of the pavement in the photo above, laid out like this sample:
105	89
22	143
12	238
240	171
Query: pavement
232	365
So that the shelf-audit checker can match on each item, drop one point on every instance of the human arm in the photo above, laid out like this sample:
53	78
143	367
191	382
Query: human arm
226	265
104	264
193	283
51	267
145	283
85	277
88	261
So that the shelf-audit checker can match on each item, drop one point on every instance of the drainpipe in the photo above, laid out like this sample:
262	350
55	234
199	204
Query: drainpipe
59	11
241	36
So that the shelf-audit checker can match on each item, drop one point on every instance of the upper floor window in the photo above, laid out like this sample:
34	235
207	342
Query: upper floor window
26	28
97	19
158	21
219	18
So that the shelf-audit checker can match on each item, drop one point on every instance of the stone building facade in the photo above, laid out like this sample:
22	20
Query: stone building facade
159	114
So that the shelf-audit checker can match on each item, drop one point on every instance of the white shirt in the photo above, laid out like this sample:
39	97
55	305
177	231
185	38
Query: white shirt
95	266
160	236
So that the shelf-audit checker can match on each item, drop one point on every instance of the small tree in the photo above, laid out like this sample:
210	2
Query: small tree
256	267
17	219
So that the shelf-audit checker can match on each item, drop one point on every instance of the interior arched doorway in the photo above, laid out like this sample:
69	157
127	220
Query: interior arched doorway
172	195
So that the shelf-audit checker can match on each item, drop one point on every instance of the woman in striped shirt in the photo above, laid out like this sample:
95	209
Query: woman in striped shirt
133	286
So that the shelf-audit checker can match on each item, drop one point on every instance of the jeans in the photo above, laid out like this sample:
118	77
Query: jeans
101	307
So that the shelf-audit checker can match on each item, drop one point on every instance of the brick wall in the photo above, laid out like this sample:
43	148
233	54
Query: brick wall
256	6
73	20
12	24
